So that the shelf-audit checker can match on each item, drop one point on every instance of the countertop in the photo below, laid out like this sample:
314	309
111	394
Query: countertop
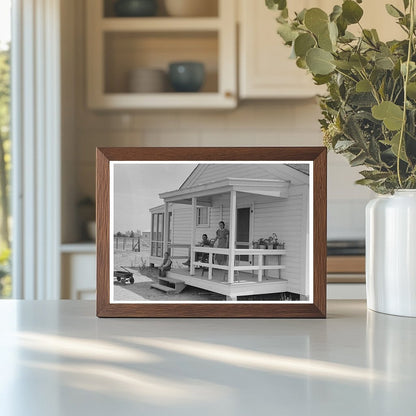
57	358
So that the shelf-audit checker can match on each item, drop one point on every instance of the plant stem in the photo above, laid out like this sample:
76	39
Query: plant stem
405	81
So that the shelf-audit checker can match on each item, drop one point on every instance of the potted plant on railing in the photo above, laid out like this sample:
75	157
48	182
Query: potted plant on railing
270	242
262	244
369	116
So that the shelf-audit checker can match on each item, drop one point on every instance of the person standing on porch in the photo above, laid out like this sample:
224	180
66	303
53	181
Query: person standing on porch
222	235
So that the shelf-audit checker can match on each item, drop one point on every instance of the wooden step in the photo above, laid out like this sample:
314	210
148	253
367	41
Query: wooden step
171	280
176	284
163	288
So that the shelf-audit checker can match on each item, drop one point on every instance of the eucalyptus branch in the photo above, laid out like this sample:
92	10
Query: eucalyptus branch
346	75
406	80
373	88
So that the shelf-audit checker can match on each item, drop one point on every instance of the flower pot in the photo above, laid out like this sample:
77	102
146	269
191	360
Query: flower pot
391	253
262	247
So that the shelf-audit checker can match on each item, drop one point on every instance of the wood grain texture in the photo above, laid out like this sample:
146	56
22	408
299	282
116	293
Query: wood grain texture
186	310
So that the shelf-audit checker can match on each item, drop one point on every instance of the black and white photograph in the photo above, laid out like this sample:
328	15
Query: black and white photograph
211	232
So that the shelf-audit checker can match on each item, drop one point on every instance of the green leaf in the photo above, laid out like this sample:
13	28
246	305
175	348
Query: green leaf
374	175
347	37
301	63
344	65
333	32
343	145
394	145
303	43
325	42
375	35
368	36
342	25
358	160
301	15
336	12
384	62
388	112
363	86
287	33
276	4
393	11
406	4
358	61
321	79
351	11
319	61
411	90
316	20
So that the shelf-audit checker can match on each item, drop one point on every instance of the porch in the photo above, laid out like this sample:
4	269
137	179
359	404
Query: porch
243	269
245	284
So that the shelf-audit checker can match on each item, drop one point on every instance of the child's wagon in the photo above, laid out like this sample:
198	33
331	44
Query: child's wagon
124	276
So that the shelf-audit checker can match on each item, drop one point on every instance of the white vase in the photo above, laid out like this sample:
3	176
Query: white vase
391	253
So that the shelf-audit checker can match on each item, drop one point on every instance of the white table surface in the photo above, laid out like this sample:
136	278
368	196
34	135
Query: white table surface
57	358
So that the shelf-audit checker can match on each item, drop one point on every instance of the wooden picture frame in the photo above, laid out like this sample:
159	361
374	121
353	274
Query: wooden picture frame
200	188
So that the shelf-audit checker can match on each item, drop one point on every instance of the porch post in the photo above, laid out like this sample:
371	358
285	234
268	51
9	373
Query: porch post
166	229
192	257
232	236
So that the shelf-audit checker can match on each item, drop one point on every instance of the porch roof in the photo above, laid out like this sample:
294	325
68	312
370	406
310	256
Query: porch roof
266	187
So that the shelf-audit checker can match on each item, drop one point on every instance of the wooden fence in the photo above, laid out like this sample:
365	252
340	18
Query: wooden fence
127	243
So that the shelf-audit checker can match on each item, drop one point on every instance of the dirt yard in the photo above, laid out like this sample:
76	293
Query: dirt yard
144	277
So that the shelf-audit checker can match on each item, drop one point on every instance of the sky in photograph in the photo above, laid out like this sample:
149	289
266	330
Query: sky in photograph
137	188
4	22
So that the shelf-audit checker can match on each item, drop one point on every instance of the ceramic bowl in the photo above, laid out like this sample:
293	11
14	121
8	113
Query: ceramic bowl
135	8
147	80
191	8
186	76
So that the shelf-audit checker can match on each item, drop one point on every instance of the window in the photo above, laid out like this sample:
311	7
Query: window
5	160
158	233
202	217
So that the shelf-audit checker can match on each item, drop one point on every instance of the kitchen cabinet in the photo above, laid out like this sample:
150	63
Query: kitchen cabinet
265	70
78	263
118	45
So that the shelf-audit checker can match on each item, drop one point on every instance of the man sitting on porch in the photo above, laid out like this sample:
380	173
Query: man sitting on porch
166	265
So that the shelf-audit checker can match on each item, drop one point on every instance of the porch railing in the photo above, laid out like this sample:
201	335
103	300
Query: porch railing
234	263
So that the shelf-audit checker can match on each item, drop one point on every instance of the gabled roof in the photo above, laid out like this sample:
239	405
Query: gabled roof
206	172
266	187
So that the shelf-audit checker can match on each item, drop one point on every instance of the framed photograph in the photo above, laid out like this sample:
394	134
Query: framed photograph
211	232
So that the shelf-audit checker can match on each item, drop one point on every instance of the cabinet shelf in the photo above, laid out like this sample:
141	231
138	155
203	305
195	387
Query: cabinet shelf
198	100
160	24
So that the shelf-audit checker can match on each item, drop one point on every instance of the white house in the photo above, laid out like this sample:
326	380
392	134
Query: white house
254	201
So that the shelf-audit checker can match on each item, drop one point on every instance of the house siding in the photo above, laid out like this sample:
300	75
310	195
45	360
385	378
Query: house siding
286	217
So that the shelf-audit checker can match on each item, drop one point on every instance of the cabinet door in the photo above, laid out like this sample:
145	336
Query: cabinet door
266	71
265	68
